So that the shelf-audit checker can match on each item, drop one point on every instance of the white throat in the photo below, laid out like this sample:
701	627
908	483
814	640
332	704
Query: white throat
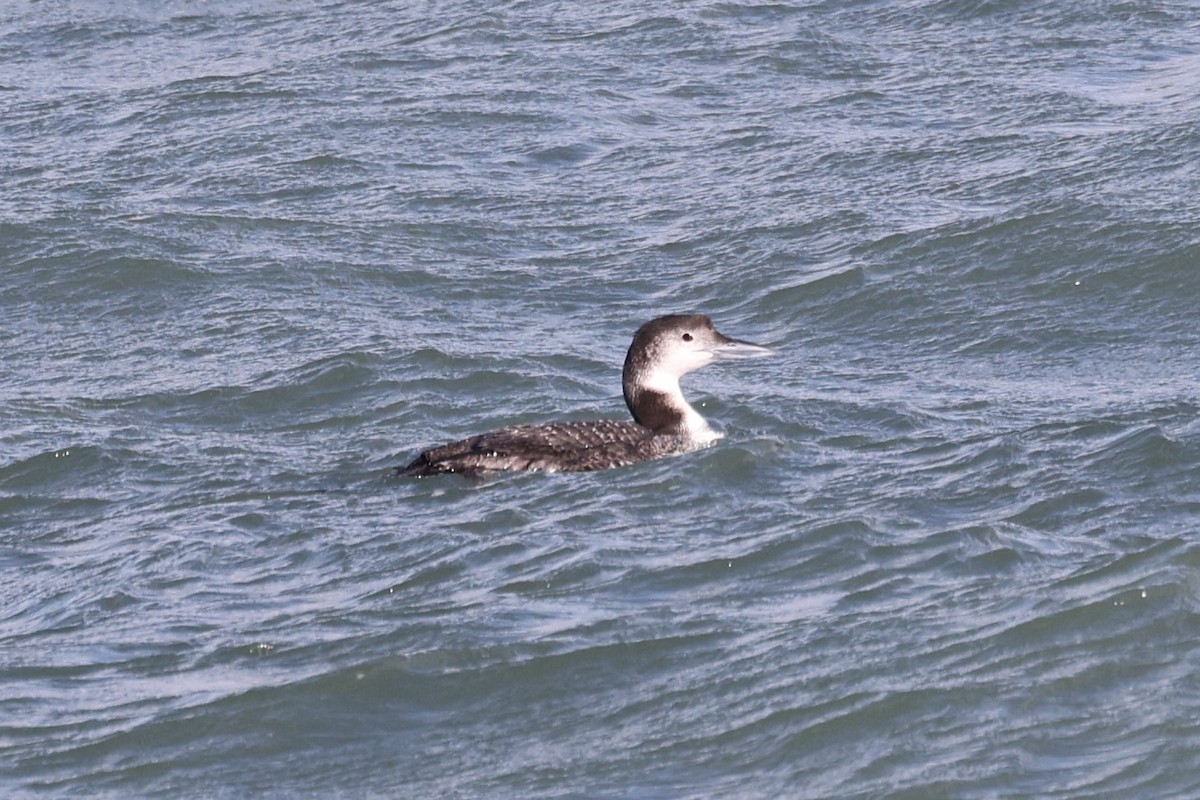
696	427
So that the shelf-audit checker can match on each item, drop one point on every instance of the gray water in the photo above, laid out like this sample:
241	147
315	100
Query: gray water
254	254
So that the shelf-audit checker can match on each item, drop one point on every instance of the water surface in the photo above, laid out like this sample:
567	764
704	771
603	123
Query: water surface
255	254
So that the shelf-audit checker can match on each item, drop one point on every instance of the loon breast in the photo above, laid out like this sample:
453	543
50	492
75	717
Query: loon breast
556	447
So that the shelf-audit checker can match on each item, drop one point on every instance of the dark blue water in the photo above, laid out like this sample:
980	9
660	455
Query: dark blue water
252	255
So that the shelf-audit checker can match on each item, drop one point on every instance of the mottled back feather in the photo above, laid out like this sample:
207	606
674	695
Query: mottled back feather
556	447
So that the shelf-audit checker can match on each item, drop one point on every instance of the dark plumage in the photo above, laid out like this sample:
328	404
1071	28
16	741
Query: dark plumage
558	446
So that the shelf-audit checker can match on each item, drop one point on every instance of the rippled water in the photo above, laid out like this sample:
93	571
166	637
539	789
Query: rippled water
254	254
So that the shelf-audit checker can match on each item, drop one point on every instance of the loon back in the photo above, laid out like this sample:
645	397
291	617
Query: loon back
557	447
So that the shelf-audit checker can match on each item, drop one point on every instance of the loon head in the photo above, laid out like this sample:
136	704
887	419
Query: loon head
663	351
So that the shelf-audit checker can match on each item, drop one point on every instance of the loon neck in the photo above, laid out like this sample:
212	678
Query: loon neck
662	408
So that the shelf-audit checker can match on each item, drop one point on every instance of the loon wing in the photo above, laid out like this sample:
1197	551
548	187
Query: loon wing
557	447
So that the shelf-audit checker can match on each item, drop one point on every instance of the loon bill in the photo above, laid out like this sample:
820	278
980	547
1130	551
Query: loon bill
664	423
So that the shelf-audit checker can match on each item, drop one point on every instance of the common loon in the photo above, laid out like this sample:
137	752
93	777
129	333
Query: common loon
663	350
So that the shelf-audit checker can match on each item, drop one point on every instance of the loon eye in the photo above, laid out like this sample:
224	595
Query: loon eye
687	337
